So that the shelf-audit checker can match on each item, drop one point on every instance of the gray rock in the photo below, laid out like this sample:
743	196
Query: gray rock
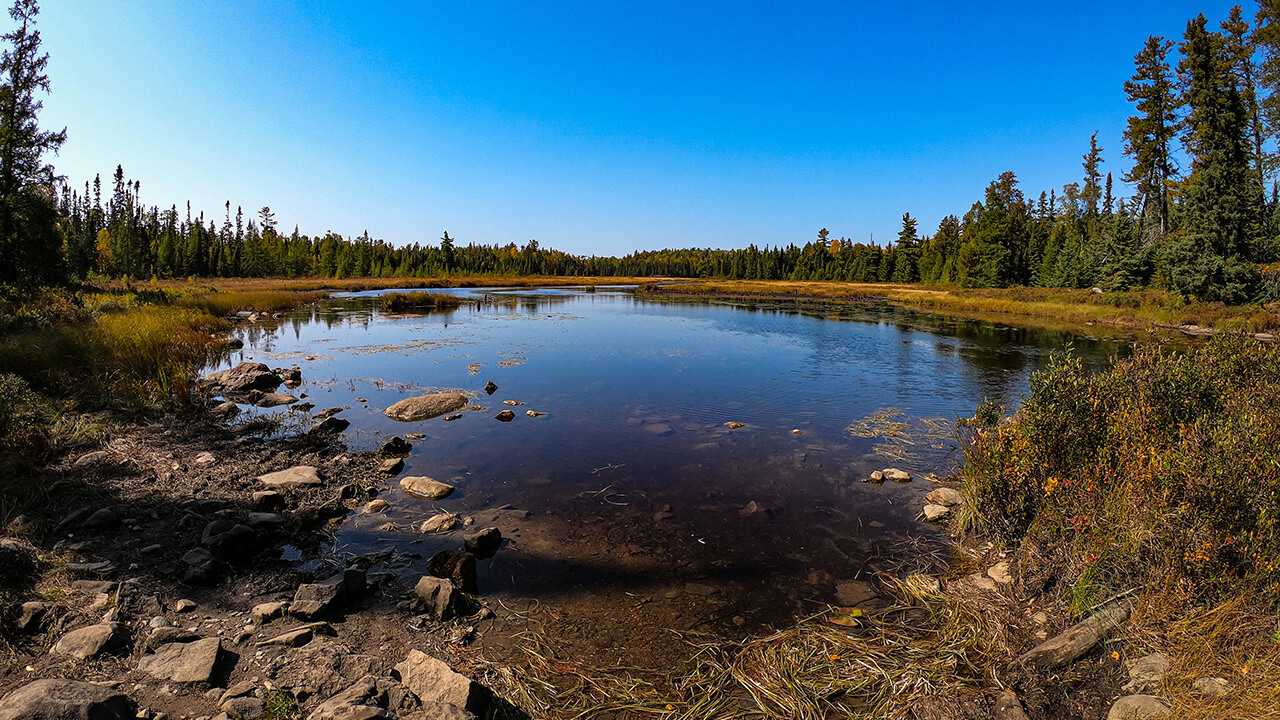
103	519
193	662
294	477
293	638
374	507
945	496
425	407
391	466
32	613
439	596
87	642
484	544
460	567
370	697
162	636
1211	687
444	522
269	500
65	700
1138	707
328	413
91	458
264	520
934	513
93	587
1078	639
244	708
184	605
244	377
230	541
425	488
433	681
276	400
896	475
1146	674
329	425
265	612
316	599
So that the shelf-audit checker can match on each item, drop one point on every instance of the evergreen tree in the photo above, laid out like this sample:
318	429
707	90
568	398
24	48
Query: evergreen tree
1149	135
30	240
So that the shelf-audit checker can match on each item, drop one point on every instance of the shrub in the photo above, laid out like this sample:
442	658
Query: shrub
1164	468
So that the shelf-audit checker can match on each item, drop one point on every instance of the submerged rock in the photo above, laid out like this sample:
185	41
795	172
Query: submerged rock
933	513
945	496
425	407
505	416
444	522
490	388
244	377
896	475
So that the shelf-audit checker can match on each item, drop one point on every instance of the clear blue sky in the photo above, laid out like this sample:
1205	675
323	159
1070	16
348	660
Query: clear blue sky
594	127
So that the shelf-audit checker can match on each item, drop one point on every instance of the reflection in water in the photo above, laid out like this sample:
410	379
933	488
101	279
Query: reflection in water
633	473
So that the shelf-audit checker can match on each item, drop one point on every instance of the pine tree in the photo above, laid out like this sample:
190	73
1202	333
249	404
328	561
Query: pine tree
30	240
1149	135
1239	47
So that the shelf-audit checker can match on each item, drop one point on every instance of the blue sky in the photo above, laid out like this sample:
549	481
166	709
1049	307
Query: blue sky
596	128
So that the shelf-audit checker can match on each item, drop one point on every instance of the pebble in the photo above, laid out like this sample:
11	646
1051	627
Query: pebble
184	605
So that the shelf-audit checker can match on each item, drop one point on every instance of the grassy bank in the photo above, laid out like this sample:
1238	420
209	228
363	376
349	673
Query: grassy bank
1158	478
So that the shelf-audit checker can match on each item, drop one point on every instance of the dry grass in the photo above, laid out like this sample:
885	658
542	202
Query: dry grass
923	645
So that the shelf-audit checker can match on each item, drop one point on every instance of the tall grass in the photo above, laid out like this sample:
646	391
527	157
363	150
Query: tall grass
401	301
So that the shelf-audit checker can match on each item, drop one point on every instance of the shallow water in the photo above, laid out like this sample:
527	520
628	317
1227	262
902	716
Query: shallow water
632	485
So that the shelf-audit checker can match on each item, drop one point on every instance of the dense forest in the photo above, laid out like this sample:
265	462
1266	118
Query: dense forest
1201	221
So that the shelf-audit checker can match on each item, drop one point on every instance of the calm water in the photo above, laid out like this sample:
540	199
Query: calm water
632	482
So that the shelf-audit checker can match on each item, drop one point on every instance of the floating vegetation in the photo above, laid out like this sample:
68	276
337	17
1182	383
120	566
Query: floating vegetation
904	437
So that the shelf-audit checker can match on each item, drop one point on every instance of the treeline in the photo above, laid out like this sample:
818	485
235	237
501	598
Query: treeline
1201	142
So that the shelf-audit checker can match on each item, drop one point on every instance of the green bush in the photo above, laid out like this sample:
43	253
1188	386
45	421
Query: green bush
1164	468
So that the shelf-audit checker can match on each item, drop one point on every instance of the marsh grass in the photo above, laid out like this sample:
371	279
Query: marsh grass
922	646
419	300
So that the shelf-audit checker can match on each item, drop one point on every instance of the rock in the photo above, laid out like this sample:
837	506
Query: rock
1000	573
852	593
756	510
91	458
1078	639
945	496
391	466
896	475
444	522
877	477
328	413
376	506
425	488
371	697
303	407
244	708
276	400
329	425
395	447
265	612
264	520
244	377
87	642
1008	707
1146	674
293	638
225	410
505	416
65	700
204	458
103	519
1138	707
934	513
460	567
451	418
490	388
534	413
512	403
294	477
734	425
227	540
165	635
425	407
700	590
483	544
33	613
292	375
315	599
192	662
268	500
439	596
1211	687
980	581
433	681
1095	290
93	587
203	565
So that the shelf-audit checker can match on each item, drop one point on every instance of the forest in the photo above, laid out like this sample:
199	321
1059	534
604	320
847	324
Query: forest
1202	220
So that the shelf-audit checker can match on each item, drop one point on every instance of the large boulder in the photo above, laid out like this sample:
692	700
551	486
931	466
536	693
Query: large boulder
65	700
192	662
433	682
244	377
425	407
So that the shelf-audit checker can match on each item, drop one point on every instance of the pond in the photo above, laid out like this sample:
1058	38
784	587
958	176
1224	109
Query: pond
633	507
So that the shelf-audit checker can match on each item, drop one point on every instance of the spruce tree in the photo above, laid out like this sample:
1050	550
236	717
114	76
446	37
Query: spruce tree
30	241
1149	135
